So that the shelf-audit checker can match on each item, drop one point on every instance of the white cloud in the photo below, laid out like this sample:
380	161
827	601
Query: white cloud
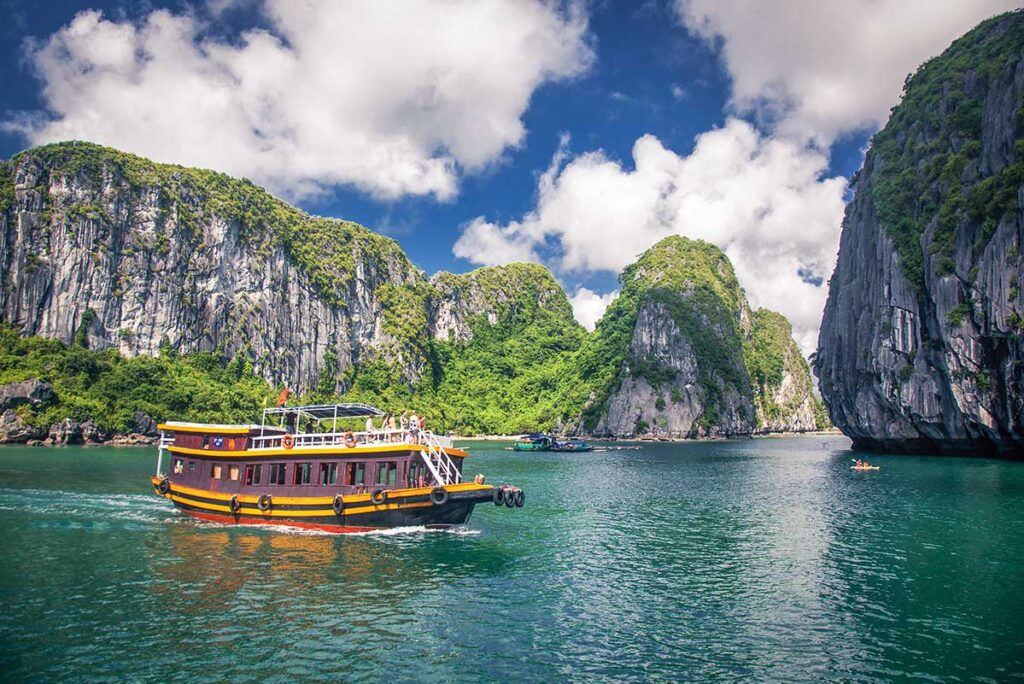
818	69
588	306
764	201
396	98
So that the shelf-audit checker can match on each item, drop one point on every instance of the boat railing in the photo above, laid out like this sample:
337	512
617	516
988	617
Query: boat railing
350	439
439	463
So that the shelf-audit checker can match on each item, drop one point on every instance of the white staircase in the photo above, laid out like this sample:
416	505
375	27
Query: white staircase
440	464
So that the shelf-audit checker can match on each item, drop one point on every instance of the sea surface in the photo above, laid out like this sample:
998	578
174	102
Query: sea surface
751	560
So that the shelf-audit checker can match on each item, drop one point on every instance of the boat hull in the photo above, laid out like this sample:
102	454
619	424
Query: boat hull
403	508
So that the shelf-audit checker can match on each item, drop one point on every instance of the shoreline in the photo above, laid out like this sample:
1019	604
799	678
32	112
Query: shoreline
834	432
138	440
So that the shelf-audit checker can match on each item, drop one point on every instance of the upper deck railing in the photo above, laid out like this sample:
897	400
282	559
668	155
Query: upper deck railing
349	439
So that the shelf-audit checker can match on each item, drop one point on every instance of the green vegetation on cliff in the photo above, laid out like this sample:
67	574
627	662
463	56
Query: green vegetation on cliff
770	353
105	386
694	281
518	373
925	161
324	249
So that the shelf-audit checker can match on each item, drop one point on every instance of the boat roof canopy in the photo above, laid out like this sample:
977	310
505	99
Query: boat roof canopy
535	435
326	411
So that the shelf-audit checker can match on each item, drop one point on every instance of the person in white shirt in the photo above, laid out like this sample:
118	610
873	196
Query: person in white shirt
414	428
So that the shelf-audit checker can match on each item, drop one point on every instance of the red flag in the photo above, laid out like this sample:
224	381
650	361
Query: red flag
282	398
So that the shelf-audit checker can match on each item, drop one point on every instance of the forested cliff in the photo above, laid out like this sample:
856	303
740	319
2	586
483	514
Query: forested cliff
137	290
921	345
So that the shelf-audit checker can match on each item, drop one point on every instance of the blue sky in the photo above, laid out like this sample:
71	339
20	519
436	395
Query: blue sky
786	97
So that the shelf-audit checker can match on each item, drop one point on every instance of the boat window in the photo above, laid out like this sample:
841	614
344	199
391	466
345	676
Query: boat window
179	466
233	473
360	478
215	471
392	473
382	473
277	473
191	466
328	473
253	474
206	441
302	473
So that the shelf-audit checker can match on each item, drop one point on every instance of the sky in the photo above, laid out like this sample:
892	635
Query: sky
480	132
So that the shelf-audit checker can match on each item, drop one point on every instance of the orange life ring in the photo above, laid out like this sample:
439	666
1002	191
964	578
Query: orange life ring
350	440
287	441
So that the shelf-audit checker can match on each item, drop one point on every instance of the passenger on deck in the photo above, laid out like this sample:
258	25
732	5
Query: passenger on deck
414	428
369	428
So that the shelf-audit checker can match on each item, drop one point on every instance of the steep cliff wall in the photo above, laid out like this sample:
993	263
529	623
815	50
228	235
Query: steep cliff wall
920	347
668	358
140	255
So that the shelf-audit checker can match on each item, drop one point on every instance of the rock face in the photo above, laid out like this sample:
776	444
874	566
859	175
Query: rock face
676	350
33	392
136	255
921	347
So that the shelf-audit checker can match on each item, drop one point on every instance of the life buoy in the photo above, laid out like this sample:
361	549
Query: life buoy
287	441
235	504
439	496
350	440
498	495
265	502
510	498
338	505
520	498
378	497
164	486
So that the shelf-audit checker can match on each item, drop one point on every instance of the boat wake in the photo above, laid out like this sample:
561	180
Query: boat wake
57	508
76	510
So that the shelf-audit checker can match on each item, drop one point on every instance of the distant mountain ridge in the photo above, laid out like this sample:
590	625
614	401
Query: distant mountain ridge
106	250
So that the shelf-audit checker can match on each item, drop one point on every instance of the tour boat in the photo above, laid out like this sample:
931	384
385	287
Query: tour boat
534	442
298	469
572	446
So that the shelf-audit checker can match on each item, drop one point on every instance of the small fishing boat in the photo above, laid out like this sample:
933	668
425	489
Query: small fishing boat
298	469
533	442
572	446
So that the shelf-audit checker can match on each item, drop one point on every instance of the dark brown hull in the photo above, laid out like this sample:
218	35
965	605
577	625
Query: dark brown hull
403	508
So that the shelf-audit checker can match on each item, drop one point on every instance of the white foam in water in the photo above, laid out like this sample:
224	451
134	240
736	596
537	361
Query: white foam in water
144	508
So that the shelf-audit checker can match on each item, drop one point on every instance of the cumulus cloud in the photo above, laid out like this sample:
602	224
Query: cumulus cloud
588	306
766	202
817	69
396	98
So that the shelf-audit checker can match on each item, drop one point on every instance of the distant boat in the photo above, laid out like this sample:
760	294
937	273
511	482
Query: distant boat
573	445
533	442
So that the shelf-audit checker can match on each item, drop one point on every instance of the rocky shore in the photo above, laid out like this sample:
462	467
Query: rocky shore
18	400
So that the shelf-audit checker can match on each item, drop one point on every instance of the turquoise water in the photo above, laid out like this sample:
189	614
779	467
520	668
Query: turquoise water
755	560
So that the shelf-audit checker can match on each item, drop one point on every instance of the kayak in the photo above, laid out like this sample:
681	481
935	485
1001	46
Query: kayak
865	467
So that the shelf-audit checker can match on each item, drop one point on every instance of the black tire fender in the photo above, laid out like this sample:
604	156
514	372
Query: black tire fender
510	498
338	504
164	486
439	496
498	496
265	502
520	498
379	497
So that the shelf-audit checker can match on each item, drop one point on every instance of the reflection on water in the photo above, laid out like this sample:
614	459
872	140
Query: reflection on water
765	559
